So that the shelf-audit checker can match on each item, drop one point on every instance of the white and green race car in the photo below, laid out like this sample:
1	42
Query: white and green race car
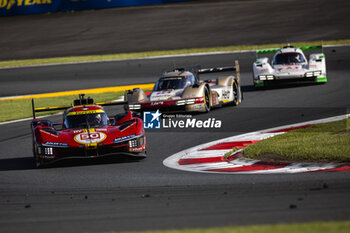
289	64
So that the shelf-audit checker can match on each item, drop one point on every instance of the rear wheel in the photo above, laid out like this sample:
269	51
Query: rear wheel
206	99
237	94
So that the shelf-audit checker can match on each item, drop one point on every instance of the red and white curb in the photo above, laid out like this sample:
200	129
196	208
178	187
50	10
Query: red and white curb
209	157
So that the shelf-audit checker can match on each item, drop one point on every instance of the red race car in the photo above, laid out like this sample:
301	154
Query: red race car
86	132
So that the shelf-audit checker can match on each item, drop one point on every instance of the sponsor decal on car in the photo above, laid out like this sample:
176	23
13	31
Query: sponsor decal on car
46	156
283	73
124	138
78	131
85	112
141	149
101	130
56	144
157	103
90	137
226	94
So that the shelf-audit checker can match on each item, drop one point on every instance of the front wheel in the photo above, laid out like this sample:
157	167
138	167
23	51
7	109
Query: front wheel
206	99
38	162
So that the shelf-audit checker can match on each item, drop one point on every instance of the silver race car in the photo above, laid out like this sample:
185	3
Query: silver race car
289	64
181	90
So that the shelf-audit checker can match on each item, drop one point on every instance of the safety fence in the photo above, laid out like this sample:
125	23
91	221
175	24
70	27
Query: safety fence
24	7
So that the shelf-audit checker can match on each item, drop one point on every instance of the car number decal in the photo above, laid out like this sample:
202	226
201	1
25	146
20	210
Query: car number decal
88	138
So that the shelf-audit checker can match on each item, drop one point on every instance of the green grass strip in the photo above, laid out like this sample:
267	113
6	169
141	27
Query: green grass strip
114	89
328	142
22	108
314	227
123	56
227	154
304	48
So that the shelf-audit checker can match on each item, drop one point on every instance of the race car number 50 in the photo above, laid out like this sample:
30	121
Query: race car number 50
87	138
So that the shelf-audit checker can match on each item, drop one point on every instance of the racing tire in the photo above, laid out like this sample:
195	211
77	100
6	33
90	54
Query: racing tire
258	86
206	99
38	163
142	156
237	94
138	156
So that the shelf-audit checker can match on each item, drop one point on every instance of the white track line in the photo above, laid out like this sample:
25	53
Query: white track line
27	119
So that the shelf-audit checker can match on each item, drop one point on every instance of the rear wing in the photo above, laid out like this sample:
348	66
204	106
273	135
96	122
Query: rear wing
217	69
196	70
77	102
223	69
274	50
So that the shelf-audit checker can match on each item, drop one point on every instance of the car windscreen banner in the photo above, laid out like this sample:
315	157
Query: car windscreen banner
24	7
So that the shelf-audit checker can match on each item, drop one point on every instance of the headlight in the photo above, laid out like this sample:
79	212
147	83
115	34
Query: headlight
309	74
313	74
317	73
269	77
180	102
134	106
137	142
45	150
190	101
184	102
262	77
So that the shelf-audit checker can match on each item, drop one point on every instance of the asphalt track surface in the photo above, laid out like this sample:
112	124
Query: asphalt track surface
194	24
117	194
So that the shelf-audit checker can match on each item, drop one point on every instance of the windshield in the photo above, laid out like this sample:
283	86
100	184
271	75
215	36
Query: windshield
86	120
288	58
172	83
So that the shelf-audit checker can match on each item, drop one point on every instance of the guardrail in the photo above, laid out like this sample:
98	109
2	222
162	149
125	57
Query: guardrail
24	7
